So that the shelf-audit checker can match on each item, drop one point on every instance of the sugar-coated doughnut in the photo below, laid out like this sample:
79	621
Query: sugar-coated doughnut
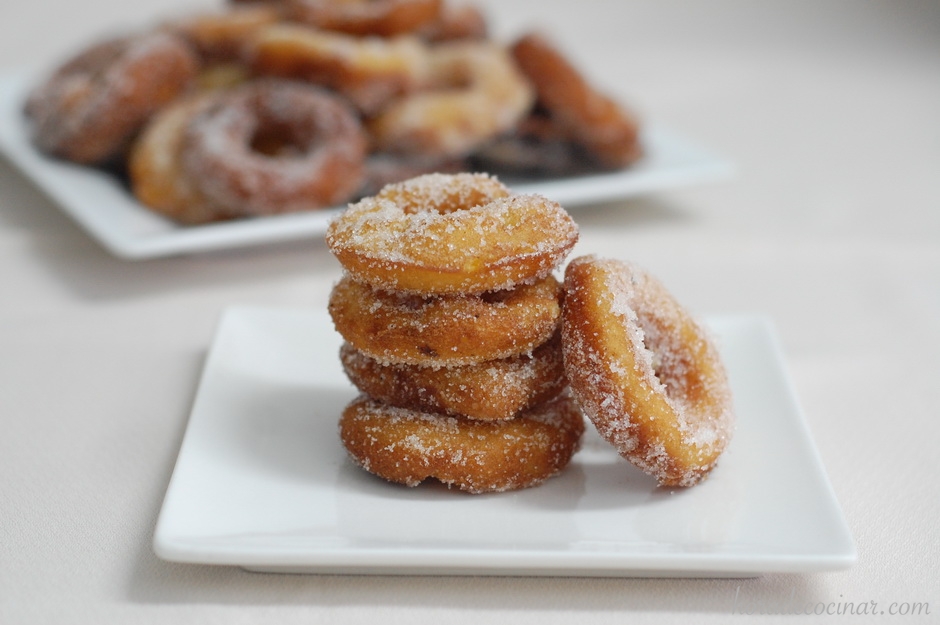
474	92
456	22
442	233
155	168
445	330
537	146
370	71
491	390
221	36
408	447
608	131
384	18
384	169
90	109
275	146
644	371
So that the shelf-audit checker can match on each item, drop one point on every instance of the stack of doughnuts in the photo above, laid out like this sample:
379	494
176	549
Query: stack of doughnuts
474	363
451	319
276	106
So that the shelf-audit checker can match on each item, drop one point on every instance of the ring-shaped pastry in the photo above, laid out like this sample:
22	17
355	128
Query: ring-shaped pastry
451	233
274	146
91	108
221	36
644	371
448	330
590	118
384	18
456	22
155	165
474	93
385	169
369	71
408	447
491	390
537	147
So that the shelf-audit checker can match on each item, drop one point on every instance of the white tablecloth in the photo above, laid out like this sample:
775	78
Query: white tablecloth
831	228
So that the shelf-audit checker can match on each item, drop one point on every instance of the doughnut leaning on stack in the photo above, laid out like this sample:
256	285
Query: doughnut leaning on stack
451	320
644	371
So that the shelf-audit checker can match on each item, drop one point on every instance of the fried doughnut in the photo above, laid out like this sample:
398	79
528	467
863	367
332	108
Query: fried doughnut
385	169
451	233
464	21
157	176
606	129
370	71
222	76
644	372
408	447
273	146
474	93
384	18
89	110
445	330
221	37
536	147
492	390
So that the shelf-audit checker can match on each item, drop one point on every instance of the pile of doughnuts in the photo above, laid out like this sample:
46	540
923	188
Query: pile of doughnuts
476	366
277	106
451	320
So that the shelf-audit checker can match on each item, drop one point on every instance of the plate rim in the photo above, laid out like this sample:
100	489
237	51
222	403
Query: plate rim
532	562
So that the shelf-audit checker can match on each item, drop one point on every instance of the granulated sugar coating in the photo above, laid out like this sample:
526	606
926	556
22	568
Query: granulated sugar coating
408	447
491	390
155	169
645	373
446	330
91	108
318	161
460	233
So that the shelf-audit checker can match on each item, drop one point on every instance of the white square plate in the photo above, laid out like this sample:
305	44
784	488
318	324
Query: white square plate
103	206
262	481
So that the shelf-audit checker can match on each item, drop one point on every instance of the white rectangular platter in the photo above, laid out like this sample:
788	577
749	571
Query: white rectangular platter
262	481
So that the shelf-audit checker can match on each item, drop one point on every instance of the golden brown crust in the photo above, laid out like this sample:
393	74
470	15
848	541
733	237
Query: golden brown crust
445	330
496	389
457	22
440	234
644	372
383	169
273	146
384	18
221	37
590	118
90	109
408	447
473	93
222	76
157	176
369	71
